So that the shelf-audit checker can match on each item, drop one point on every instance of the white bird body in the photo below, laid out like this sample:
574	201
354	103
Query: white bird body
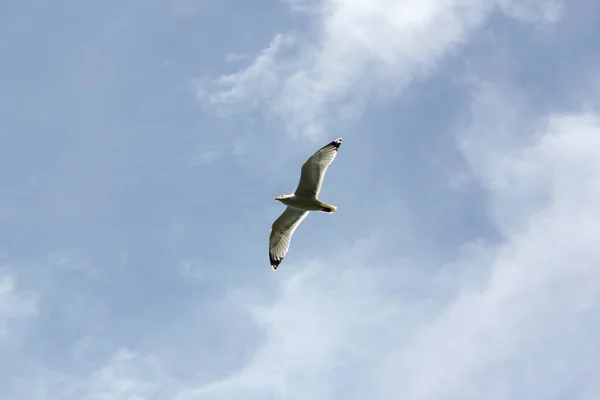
302	201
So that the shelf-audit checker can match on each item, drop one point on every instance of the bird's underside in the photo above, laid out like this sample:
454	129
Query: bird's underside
302	201
307	204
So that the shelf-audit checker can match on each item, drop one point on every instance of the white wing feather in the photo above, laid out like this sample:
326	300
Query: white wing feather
313	170
281	233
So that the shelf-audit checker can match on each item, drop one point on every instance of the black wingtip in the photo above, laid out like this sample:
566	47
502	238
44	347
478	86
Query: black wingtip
335	144
274	262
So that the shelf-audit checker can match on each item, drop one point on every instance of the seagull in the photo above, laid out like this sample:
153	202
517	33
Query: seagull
302	201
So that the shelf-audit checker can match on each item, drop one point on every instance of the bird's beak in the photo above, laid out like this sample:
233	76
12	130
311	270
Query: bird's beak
277	198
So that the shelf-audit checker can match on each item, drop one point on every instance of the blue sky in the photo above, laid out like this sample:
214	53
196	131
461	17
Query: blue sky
142	143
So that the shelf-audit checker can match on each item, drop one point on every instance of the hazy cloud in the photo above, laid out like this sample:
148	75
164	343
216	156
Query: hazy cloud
359	51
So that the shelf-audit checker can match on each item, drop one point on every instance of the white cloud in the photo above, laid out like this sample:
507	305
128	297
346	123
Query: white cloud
15	305
233	57
250	84
512	320
359	50
205	157
126	375
543	280
516	319
69	260
532	10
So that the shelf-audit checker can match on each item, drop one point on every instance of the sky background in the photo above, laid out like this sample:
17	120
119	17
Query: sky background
142	143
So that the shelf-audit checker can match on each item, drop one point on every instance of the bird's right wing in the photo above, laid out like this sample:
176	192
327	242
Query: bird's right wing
313	169
281	233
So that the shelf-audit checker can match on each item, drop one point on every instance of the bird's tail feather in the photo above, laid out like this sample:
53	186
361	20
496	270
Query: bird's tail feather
328	209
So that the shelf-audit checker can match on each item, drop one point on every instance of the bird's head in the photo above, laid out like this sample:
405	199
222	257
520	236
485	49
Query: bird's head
283	196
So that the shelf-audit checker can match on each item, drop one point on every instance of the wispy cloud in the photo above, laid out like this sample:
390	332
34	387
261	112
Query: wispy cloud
250	85
511	319
359	51
339	329
15	305
128	307
205	157
233	57
533	10
124	375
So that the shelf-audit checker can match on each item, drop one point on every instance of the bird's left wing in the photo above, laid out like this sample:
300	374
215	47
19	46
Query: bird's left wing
313	169
281	233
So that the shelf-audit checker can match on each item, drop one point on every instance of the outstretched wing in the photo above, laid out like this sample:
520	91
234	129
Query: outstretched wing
281	233
313	169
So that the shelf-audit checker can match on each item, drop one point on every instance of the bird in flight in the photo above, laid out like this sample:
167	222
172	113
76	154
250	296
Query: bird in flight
302	201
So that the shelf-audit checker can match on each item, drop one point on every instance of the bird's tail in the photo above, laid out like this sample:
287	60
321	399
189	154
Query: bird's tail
328	209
